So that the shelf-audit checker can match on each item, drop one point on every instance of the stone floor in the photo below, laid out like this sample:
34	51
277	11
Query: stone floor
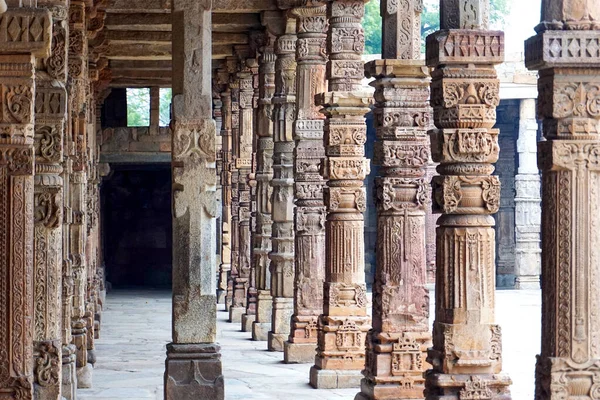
137	325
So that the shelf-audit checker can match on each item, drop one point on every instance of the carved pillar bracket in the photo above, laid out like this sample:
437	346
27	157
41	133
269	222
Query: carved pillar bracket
17	332
264	191
466	356
564	51
193	365
398	342
282	241
344	324
310	213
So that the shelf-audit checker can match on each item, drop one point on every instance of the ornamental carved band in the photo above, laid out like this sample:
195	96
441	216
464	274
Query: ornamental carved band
466	355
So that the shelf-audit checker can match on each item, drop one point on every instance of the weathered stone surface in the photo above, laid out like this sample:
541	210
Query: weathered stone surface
193	367
567	363
466	356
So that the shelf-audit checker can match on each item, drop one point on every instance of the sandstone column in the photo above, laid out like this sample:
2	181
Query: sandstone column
193	366
566	52
50	121
264	192
344	322
78	97
244	167
309	218
528	258
397	344
249	315
282	255
467	345
225	266
234	85
25	34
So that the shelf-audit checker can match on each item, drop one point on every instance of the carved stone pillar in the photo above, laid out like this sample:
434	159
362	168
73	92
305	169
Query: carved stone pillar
528	260
225	266
282	255
50	121
193	366
77	90
249	315
244	167
398	342
566	53
430	226
234	86
264	192
309	222
467	345
17	332
344	323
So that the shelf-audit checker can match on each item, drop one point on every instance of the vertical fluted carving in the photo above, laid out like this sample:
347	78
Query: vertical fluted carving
466	356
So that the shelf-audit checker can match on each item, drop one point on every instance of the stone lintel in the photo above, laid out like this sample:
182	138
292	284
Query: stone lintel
396	69
551	49
461	46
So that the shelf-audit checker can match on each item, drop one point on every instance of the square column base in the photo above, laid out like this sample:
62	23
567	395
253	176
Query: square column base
194	371
392	390
69	373
221	296
85	376
276	341
334	379
299	353
527	282
457	386
260	331
235	314
247	321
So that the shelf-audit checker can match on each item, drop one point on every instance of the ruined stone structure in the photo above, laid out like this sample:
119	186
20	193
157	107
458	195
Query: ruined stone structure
267	153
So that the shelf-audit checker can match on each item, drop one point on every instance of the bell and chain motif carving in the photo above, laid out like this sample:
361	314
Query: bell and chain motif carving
466	355
344	323
567	366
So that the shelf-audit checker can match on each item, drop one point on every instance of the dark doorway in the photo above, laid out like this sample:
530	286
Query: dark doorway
137	226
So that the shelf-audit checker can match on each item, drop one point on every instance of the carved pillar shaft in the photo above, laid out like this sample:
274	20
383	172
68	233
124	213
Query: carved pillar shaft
309	218
50	121
17	80
528	258
249	316
225	266
244	168
569	92
344	322
467	353
193	366
264	192
397	344
282	254
235	132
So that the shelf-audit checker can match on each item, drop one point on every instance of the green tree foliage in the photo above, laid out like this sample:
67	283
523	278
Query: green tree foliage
430	21
138	107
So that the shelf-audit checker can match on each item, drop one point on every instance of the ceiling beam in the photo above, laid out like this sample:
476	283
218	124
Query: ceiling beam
161	6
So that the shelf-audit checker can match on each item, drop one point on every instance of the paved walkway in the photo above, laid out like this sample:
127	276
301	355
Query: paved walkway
137	325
